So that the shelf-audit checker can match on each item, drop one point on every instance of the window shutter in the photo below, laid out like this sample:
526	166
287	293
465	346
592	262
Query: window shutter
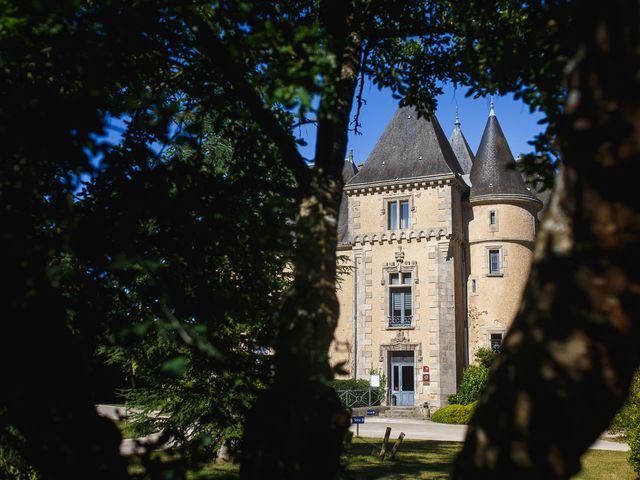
396	302
407	303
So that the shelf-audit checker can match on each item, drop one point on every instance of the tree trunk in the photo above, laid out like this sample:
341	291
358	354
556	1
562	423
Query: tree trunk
297	426
568	360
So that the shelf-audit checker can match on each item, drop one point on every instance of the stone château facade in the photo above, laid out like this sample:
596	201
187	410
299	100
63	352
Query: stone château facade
440	243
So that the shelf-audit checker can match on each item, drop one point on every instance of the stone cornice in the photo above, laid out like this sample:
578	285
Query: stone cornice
407	236
520	241
406	184
511	198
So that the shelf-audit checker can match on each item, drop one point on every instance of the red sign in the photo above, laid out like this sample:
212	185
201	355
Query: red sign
425	377
425	369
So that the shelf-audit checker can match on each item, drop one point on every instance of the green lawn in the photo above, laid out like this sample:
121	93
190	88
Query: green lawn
423	459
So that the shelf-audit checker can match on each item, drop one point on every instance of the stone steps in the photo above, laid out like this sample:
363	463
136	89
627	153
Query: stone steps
402	412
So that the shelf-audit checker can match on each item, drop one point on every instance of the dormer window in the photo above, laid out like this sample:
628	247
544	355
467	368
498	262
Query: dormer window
398	214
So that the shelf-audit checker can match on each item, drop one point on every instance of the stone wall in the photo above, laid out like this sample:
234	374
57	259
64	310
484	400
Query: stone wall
496	299
429	250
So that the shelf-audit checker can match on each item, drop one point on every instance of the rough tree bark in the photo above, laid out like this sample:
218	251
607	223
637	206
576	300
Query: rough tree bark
297	425
569	358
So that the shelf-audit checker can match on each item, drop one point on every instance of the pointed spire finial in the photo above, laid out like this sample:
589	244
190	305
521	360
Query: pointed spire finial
492	112
351	155
457	124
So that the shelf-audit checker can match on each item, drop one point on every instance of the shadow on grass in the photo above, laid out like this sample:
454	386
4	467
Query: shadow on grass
423	459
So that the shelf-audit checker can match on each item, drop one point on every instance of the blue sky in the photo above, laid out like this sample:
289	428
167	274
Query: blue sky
518	124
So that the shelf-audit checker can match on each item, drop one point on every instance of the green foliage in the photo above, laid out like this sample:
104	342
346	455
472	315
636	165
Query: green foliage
474	381
494	41
627	420
474	378
627	423
485	357
457	414
195	348
164	250
13	464
351	384
634	446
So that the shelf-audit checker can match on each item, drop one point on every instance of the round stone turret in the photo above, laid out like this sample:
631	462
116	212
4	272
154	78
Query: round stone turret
501	231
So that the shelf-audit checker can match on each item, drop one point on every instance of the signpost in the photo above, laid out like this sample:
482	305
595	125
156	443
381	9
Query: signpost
357	420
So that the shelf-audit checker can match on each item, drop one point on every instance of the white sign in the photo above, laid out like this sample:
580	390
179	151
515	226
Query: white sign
375	380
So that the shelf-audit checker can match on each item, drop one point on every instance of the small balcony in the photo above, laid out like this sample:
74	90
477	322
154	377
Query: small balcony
400	321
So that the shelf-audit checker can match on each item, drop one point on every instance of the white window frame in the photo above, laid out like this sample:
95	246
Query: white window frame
402	287
493	214
501	265
398	202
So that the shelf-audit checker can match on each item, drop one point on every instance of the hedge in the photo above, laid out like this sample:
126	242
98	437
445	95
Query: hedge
457	414
351	384
474	381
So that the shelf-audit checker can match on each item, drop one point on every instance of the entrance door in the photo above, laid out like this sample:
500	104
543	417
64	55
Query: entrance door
402	377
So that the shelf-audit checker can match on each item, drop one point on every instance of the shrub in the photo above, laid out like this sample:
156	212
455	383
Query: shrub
627	423
485	357
628	416
634	449
351	384
474	381
456	414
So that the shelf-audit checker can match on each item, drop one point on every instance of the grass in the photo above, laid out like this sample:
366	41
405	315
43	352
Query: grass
605	465
423	459
416	459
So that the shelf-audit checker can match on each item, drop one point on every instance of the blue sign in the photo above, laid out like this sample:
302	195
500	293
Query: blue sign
357	419
371	412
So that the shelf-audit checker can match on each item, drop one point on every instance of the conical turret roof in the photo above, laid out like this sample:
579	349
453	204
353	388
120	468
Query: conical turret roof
410	147
349	170
494	175
461	148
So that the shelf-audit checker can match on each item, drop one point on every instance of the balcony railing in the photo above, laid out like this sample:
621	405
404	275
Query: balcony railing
400	321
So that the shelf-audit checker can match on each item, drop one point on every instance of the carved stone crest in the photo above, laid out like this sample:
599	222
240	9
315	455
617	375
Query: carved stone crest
399	338
399	255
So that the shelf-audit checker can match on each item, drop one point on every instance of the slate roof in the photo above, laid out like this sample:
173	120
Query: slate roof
461	148
348	172
493	171
410	147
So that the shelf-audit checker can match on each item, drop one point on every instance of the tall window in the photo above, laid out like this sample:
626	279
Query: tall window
494	262
496	342
400	300
492	217
398	214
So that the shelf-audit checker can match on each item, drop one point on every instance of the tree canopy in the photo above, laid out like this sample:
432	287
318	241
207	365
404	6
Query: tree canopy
166	251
